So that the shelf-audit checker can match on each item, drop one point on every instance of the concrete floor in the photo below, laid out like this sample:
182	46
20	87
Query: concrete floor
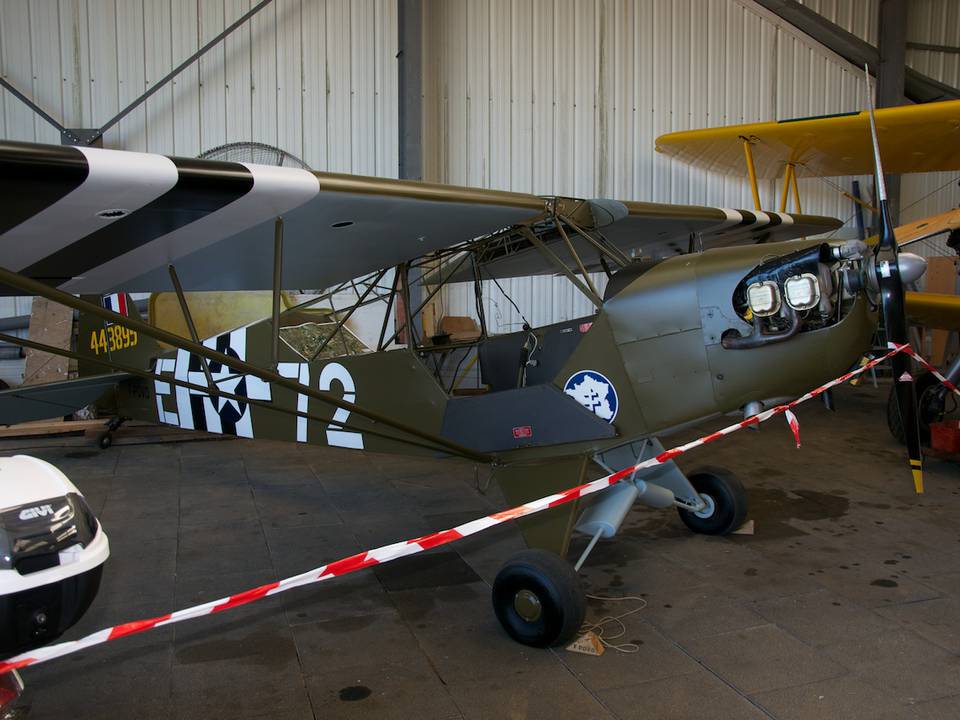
845	602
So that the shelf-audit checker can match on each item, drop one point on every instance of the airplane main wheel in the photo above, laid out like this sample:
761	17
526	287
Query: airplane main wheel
726	502
538	599
105	440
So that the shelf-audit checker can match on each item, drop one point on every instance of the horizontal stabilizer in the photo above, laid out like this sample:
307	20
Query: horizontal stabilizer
50	400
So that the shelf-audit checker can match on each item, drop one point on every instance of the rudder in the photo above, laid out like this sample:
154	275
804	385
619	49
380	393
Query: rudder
98	339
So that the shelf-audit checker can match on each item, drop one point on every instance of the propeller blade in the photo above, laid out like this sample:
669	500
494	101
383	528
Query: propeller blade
907	405
887	267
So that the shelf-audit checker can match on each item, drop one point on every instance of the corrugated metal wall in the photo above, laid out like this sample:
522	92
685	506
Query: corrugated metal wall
549	96
567	97
935	22
317	78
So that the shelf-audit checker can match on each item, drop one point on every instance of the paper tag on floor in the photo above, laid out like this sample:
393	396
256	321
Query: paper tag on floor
587	644
745	529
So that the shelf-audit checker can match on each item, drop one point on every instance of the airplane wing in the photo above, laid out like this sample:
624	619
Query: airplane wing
659	230
934	310
89	220
913	138
642	229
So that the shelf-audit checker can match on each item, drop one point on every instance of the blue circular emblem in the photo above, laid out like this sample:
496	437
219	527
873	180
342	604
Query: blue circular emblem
595	392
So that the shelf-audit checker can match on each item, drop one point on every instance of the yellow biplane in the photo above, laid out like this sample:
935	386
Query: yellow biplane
913	139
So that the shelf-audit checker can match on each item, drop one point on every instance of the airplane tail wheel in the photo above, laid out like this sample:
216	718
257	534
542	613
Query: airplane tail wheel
930	408
538	599
726	502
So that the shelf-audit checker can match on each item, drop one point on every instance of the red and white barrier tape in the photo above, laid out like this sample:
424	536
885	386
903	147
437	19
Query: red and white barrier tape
410	547
927	366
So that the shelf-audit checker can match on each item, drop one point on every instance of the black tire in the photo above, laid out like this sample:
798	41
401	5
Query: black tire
726	498
105	440
929	408
549	591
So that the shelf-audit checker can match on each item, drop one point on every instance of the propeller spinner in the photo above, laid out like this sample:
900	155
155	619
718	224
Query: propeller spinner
892	270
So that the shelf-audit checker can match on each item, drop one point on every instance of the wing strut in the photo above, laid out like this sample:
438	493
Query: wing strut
277	281
790	183
560	265
188	319
751	171
576	257
389	310
604	248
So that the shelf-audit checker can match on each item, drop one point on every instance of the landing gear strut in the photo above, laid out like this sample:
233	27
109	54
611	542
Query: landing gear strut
725	498
538	599
711	501
537	596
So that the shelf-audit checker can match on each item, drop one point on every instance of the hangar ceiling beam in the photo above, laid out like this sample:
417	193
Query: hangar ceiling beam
892	24
890	71
933	48
177	70
67	135
917	86
92	137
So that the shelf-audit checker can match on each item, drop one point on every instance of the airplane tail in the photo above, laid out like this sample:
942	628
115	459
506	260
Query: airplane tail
112	392
98	339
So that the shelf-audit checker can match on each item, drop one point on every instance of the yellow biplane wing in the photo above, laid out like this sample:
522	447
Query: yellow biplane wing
934	310
913	138
924	229
928	227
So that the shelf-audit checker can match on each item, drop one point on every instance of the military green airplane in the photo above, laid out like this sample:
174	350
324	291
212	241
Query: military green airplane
705	312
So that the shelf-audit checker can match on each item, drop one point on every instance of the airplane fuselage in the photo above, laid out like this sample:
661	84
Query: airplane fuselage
651	360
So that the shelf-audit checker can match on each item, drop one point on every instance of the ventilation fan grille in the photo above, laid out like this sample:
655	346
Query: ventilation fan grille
257	153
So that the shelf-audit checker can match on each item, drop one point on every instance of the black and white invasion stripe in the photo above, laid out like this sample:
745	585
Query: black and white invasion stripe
103	216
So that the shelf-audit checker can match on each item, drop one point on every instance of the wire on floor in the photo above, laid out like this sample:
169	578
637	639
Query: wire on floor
600	629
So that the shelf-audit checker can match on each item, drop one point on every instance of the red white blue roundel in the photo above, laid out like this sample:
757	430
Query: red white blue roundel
595	392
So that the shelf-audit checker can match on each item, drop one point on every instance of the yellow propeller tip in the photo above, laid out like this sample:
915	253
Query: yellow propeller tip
918	481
